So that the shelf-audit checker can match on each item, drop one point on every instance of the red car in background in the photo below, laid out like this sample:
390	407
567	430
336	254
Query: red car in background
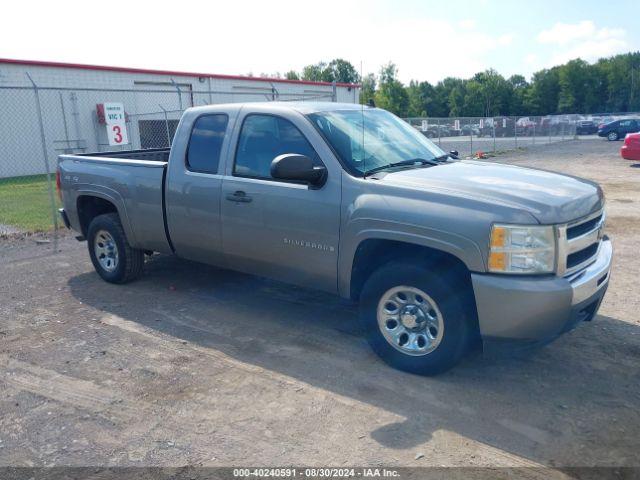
631	148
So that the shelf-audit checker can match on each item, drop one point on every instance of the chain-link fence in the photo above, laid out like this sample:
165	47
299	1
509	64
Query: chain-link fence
40	122
470	136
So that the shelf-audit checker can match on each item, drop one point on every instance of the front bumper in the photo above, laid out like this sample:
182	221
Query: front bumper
534	310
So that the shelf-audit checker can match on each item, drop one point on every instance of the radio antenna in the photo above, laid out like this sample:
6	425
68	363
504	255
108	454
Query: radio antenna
364	153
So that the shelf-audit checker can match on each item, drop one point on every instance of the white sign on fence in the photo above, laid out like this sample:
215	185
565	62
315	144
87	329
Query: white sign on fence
425	125
456	124
116	123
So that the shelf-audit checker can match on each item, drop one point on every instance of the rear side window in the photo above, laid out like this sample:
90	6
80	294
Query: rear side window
207	135
263	138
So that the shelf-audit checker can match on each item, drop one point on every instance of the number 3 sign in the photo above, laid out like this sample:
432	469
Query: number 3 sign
116	125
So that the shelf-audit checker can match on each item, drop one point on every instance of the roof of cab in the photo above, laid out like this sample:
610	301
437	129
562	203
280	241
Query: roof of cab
302	107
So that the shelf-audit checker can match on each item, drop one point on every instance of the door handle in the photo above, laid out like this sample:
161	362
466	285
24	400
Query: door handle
239	196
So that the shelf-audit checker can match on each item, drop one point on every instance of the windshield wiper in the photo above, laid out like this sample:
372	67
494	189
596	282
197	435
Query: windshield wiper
407	163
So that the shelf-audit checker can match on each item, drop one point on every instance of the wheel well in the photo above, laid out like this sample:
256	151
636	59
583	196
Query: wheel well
373	253
90	207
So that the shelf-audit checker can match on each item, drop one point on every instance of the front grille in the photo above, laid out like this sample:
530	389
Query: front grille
581	256
579	243
582	228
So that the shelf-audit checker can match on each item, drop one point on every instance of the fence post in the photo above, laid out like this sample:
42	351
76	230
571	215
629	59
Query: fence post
54	217
166	125
493	131
439	141
515	131
179	94
334	91
533	141
67	147
275	95
471	137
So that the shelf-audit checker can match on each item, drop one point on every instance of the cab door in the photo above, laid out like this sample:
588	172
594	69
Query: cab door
283	230
194	184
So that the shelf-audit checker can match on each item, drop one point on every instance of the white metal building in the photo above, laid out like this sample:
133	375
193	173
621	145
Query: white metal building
68	99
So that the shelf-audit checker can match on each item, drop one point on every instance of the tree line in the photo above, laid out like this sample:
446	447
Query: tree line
609	85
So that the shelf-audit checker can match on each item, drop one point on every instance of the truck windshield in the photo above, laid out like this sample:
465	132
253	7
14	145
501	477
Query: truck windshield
373	139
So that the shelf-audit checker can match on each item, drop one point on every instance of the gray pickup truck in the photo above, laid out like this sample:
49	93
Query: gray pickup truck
440	253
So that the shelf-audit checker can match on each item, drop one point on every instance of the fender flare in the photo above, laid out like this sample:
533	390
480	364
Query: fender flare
462	248
113	197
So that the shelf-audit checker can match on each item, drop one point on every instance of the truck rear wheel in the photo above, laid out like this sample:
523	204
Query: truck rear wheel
112	256
415	320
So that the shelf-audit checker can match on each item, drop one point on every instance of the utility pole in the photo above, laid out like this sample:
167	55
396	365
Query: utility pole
631	91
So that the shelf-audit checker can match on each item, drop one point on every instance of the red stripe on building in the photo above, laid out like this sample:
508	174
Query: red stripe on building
36	63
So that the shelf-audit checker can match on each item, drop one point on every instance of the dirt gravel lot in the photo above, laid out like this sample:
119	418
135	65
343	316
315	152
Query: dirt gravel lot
193	365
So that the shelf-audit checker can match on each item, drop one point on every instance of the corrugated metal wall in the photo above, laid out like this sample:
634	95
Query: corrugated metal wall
68	98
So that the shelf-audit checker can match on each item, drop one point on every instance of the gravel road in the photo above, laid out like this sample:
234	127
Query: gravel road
193	365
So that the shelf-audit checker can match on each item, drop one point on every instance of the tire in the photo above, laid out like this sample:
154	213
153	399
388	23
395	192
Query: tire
454	313
112	256
612	136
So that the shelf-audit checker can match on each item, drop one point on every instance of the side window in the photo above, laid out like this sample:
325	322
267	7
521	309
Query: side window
263	138
203	153
625	123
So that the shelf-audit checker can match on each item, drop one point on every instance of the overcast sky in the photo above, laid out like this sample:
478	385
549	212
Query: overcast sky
427	40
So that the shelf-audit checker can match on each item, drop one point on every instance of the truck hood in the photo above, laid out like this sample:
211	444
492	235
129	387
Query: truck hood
549	197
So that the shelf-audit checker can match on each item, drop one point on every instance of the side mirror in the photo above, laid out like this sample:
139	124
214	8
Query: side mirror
453	153
298	168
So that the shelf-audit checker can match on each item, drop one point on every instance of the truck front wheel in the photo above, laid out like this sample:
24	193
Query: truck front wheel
415	320
112	256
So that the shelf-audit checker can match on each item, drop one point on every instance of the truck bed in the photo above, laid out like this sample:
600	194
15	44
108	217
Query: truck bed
133	181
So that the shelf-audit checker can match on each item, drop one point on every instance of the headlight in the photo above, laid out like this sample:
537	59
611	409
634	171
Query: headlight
522	249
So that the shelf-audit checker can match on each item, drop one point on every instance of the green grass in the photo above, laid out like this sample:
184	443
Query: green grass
24	203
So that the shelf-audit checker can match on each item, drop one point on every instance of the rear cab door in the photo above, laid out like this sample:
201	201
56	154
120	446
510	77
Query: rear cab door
278	229
194	182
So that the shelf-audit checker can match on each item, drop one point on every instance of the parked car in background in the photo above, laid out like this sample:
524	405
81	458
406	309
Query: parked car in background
631	148
586	127
435	131
525	127
619	128
555	126
470	130
500	126
444	131
450	130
